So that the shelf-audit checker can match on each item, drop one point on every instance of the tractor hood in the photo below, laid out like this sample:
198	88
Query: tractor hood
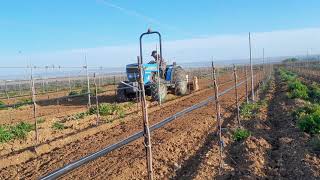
133	72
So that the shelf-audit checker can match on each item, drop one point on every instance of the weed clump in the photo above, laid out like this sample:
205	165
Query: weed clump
41	120
108	109
287	75
297	90
314	93
310	123
241	134
58	126
18	131
23	102
5	135
308	118
247	110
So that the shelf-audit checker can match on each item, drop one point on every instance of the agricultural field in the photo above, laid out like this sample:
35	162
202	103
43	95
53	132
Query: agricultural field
274	136
118	120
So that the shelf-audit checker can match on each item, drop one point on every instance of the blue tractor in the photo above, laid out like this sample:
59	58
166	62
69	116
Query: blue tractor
173	79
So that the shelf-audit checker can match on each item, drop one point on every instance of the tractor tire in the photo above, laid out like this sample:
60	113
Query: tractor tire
180	81
121	93
160	94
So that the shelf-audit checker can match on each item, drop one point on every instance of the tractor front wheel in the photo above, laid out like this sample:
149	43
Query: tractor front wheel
158	92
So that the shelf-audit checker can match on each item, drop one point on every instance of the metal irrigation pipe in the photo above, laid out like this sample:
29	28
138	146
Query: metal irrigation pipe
108	149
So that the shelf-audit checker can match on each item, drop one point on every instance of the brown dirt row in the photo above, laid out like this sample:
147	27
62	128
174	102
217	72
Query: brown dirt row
60	156
53	108
277	149
55	138
48	135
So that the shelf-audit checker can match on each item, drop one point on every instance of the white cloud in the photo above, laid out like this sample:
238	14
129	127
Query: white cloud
276	43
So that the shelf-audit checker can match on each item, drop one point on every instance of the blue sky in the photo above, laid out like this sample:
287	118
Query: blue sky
49	32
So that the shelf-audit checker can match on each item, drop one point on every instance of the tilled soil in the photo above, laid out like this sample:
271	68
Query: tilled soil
277	149
49	138
176	144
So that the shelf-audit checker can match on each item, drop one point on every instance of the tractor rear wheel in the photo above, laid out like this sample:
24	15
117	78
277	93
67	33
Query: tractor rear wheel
180	81
158	93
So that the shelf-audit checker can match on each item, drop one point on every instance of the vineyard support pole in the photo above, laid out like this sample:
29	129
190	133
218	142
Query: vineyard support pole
217	103
34	108
97	101
147	137
115	87
251	69
236	94
6	89
69	79
246	76
88	82
20	91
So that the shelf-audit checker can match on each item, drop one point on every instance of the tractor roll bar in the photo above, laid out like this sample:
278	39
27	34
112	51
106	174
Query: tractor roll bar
149	32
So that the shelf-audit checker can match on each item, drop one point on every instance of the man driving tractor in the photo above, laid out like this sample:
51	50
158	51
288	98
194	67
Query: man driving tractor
160	61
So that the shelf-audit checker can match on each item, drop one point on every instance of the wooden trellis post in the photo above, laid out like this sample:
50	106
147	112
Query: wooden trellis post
251	69
147	137
115	87
97	101
216	95
246	76
88	82
34	108
236	93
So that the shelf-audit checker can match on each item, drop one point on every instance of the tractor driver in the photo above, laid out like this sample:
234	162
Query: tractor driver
162	63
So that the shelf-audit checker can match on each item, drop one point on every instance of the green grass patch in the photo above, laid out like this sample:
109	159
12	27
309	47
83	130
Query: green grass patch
129	104
18	131
314	93
2	104
21	130
297	90
308	118
80	115
241	134
108	109
23	102
58	126
5	134
310	123
287	75
248	110
41	120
